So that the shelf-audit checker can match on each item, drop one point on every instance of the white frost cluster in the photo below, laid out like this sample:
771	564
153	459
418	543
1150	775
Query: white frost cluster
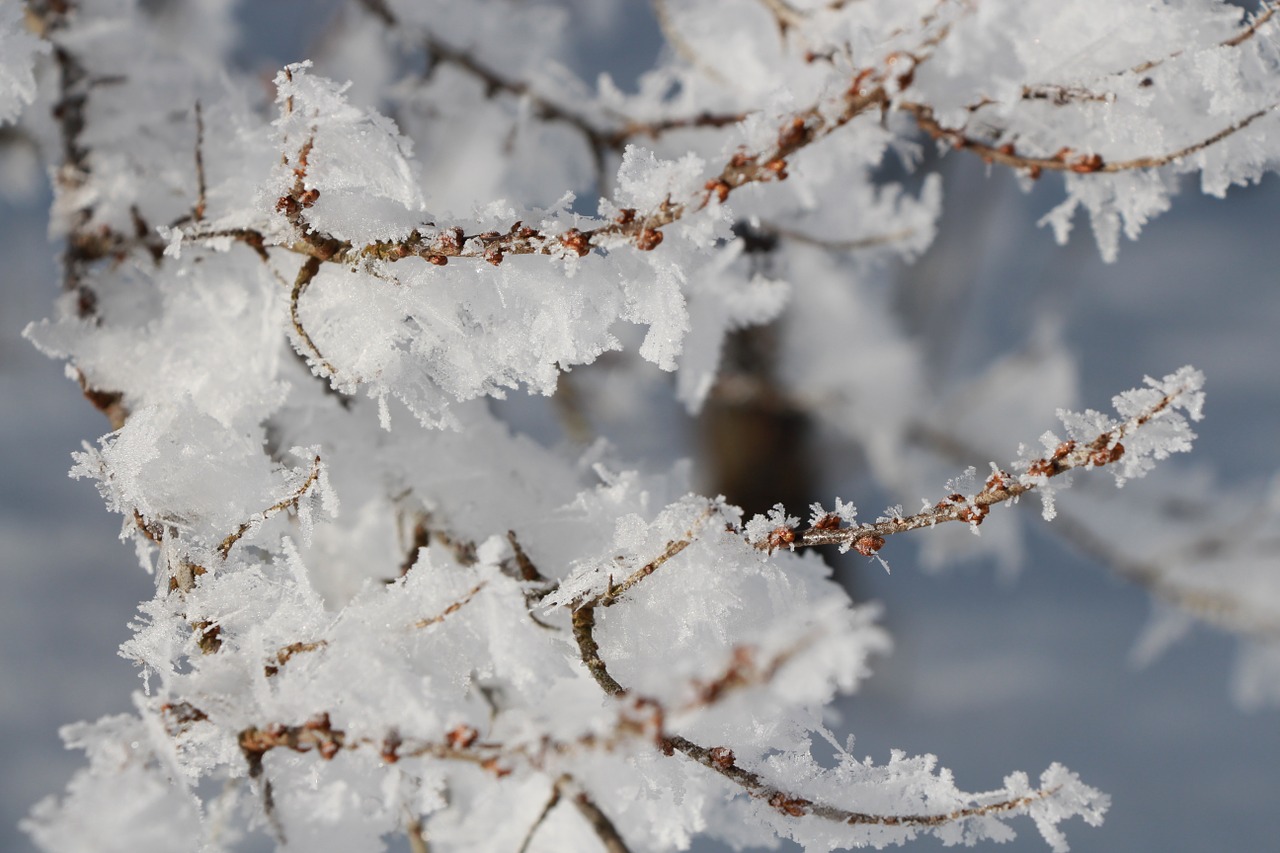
19	50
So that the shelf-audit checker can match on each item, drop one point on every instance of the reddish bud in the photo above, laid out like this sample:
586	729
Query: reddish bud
648	239
575	241
722	757
1085	165
780	537
868	544
462	736
830	521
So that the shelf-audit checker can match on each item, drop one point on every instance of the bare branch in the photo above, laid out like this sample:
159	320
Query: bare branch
1246	33
680	44
1218	608
584	623
286	653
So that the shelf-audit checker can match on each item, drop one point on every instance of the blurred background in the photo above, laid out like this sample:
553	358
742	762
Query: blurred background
991	672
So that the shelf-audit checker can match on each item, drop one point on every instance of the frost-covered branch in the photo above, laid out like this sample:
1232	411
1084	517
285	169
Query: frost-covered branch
225	546
1066	159
722	761
1181	390
398	664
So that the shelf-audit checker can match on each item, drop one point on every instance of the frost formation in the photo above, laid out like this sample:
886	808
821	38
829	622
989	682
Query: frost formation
381	610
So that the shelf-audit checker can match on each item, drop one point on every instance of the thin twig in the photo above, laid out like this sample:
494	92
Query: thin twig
1220	609
552	802
615	591
1246	33
452	608
306	274
999	488
1066	160
722	761
680	45
197	213
292	501
417	836
600	822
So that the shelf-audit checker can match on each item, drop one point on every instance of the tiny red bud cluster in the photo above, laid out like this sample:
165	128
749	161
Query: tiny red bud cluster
868	544
780	537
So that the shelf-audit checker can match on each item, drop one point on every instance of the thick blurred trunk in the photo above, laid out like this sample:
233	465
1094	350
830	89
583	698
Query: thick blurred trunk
757	446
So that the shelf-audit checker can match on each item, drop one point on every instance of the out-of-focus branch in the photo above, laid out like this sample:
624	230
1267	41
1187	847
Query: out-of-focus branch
1066	159
1219	608
601	139
600	823
836	245
1247	32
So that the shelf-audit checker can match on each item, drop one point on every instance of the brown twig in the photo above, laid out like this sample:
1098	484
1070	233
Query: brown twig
743	671
417	836
1224	611
721	759
615	591
1066	159
452	608
600	822
600	139
292	501
286	653
584	623
716	759
552	802
306	274
197	213
999	487
1246	33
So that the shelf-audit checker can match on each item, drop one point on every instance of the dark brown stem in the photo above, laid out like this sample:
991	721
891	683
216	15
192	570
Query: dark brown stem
197	213
600	823
584	623
306	274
